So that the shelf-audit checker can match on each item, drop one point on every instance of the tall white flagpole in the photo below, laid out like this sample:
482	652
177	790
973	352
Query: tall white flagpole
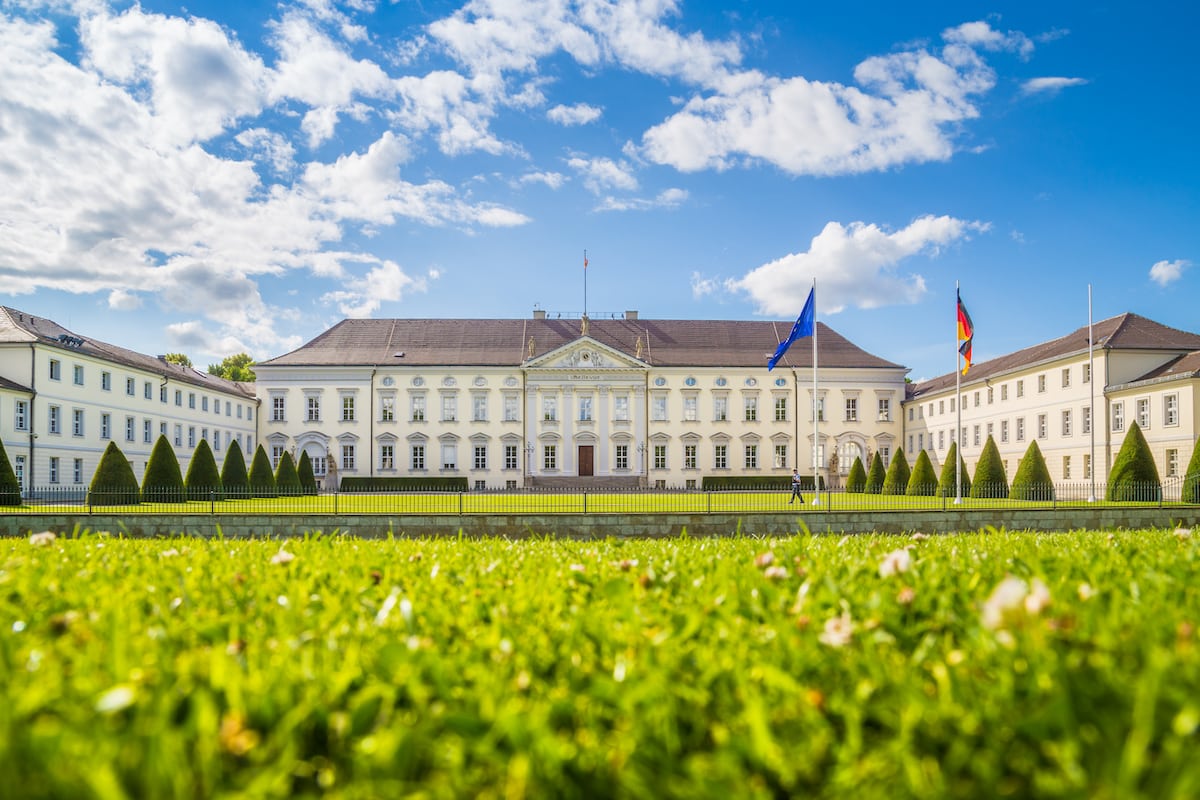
958	456
1091	405
816	464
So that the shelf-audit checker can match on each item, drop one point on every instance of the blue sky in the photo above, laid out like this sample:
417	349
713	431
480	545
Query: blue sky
213	178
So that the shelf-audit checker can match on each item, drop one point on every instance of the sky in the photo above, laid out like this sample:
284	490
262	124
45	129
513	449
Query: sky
213	178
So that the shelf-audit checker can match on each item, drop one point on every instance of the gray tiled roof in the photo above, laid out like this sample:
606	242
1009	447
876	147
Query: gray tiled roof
505	342
21	327
1123	332
1185	366
13	386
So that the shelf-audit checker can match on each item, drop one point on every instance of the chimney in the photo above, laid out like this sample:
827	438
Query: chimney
631	315
539	313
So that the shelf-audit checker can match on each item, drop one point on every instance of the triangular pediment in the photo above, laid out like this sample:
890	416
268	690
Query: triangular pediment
585	353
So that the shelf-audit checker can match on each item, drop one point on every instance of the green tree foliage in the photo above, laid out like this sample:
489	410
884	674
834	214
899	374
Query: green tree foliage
203	479
1191	477
856	480
178	358
308	481
262	477
923	480
896	480
875	475
1134	475
235	481
10	489
946	481
234	368
1032	481
287	480
163	481
114	483
990	480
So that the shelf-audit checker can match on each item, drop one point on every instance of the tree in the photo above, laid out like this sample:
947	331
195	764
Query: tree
923	480
203	479
114	483
946	481
163	481
1032	481
990	480
875	475
178	358
262	477
234	479
856	480
287	481
1134	475
234	368
308	481
1191	478
10	488
896	480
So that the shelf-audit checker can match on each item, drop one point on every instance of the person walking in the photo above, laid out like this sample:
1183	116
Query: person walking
796	487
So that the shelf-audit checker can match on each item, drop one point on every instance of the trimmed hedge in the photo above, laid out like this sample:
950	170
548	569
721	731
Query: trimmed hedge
262	477
163	481
234	478
203	480
304	470
287	481
1191	477
114	483
990	480
875	475
898	473
10	489
922	482
946	481
1134	475
364	484
1032	481
856	480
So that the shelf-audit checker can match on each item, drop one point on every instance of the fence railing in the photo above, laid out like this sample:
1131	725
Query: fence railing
532	501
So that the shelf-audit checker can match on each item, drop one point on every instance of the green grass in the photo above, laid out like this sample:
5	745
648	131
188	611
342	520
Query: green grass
727	667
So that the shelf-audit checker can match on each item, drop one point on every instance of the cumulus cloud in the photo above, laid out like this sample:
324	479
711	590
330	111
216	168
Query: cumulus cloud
855	265
600	174
384	282
669	198
578	114
1049	85
552	179
1165	273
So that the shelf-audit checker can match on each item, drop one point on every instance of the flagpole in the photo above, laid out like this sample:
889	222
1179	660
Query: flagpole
1091	405
958	456
816	464
585	283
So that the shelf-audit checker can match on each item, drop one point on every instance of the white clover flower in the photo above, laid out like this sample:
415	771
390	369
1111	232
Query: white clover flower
282	557
1038	598
838	631
43	538
895	562
775	573
1007	597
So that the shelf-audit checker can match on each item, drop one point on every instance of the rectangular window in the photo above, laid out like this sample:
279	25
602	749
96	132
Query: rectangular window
621	460
348	457
77	421
751	456
1020	388
54	469
885	410
79	375
1172	463
781	456
55	369
1087	373
1143	413
106	381
721	456
885	455
689	456
921	439
204	434
216	441
750	405
1066	468
1118	416
550	409
130	387
512	406
720	408
78	471
910	443
130	429
991	393
1003	430
660	456
312	405
1041	380
204	403
417	458
690	404
511	457
387	456
191	435
479	459
277	408
449	456
276	455
148	431
658	408
162	393
54	423
549	457
941	407
1003	392
1041	426
192	400
228	406
941	440
621	407
585	408
781	409
347	408
1170	409
178	438
977	399
417	406
387	409
106	426
1066	422
975	436
1085	419
479	407
179	398
851	409
1066	377
21	415
1087	466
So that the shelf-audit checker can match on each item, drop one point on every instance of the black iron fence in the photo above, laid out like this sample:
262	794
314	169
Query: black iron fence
533	501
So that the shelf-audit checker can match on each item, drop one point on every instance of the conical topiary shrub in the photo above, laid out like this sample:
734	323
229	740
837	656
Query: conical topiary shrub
163	481
203	480
308	481
1133	475
896	480
287	481
923	481
235	481
262	477
10	488
990	480
1191	477
114	483
946	481
875	475
856	480
1032	481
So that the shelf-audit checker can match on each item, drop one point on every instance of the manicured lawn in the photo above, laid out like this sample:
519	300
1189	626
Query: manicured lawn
977	665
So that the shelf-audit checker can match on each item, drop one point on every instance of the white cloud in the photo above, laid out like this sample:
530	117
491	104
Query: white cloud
269	146
578	114
984	36
669	198
1049	85
554	180
385	282
604	173
1167	272
123	300
702	286
853	265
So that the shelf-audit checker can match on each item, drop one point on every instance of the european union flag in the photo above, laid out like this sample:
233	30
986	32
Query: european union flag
803	327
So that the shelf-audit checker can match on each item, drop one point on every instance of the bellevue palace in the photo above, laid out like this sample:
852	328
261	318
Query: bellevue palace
611	400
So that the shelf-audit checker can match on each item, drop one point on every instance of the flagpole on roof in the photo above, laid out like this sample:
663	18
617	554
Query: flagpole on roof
585	283
958	456
816	464
1091	405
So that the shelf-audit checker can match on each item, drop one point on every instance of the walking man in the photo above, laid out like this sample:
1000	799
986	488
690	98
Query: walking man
796	487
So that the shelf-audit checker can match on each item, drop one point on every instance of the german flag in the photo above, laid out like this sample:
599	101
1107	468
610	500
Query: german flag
966	333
